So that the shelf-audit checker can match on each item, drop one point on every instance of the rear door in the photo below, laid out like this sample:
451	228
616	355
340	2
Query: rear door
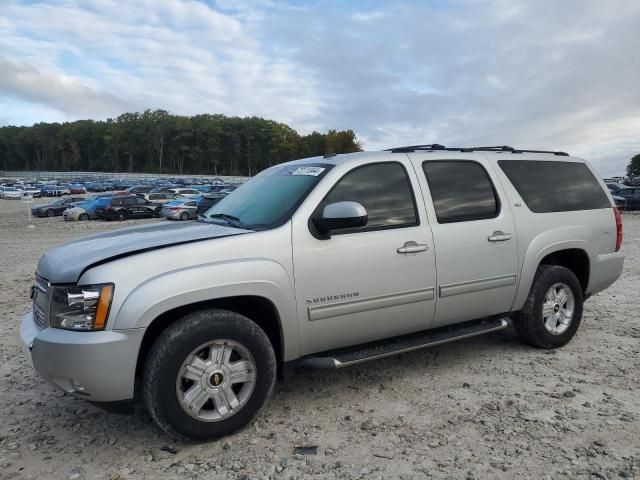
474	236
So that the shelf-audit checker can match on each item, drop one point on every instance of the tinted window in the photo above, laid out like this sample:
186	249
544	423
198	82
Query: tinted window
383	189
555	186
461	191
155	196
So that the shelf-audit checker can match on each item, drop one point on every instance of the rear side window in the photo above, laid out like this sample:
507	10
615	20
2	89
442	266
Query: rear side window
555	186
384	191
461	191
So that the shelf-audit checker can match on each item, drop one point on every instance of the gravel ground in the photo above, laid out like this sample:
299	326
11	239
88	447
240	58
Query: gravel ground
487	407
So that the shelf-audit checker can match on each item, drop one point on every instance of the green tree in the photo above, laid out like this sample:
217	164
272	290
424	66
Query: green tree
633	169
156	141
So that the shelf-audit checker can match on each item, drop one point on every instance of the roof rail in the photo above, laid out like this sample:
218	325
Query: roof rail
413	148
501	148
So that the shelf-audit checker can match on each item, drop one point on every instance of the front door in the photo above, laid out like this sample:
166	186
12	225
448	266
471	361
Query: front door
475	240
371	282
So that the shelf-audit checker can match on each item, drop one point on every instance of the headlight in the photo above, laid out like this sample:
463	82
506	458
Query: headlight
81	307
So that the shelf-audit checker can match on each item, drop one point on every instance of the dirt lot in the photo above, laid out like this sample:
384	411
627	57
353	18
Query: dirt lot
487	407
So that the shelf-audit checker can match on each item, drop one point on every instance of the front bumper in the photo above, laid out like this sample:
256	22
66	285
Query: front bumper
96	366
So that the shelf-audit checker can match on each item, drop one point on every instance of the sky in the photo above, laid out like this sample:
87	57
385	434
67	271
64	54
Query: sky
542	74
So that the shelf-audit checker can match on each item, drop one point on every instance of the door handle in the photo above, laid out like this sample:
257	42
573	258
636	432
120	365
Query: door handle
412	247
499	236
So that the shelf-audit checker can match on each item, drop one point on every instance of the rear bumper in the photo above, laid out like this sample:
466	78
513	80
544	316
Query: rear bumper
95	366
605	270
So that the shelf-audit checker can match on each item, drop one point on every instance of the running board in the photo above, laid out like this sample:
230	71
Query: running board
346	357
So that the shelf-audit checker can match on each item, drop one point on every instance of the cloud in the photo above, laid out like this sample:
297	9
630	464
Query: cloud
532	73
56	90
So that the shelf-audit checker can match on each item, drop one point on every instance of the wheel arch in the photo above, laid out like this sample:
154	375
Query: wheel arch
259	309
573	255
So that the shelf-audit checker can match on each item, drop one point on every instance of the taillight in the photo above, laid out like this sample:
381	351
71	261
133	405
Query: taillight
616	213
174	208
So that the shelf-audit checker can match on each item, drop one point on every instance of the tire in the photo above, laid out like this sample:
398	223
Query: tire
49	213
530	321
121	216
163	383
83	217
184	216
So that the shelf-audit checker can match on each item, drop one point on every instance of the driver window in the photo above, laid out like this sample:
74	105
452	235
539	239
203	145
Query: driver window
384	191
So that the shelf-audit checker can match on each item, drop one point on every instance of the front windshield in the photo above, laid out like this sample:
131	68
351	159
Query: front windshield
269	199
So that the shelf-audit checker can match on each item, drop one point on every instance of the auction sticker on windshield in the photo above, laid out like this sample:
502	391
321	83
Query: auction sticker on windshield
310	171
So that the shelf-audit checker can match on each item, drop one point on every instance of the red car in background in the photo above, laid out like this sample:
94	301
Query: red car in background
77	189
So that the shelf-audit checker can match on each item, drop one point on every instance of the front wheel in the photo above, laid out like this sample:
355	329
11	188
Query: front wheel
208	375
49	213
553	311
83	217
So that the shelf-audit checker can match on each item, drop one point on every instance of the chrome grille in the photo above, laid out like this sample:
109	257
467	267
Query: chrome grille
40	301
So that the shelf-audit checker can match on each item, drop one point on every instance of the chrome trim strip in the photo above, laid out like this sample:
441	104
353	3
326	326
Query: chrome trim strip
476	285
503	325
318	312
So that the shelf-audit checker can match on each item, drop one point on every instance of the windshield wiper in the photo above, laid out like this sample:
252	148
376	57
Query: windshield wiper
234	221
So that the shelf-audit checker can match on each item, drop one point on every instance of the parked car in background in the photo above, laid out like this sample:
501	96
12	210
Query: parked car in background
56	207
84	210
28	190
159	197
123	207
614	187
620	202
186	192
209	200
54	191
10	193
77	189
181	209
631	195
139	189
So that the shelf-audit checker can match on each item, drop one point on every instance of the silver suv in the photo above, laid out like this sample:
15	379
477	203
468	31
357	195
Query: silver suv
322	263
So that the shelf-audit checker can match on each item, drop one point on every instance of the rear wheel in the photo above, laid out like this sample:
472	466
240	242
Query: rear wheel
122	215
208	375
49	213
184	216
553	311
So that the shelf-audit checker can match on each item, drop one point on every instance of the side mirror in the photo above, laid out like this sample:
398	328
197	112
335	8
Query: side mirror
341	215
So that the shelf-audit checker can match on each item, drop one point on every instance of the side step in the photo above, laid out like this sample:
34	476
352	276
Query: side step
345	357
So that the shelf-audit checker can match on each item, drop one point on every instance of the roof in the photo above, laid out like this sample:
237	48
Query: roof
335	159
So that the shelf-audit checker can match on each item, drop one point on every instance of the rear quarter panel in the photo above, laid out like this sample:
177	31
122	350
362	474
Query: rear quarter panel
539	234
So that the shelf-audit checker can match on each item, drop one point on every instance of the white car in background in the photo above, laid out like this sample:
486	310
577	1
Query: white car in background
10	193
28	190
187	192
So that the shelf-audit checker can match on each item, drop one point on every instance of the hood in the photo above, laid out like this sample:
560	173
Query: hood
66	263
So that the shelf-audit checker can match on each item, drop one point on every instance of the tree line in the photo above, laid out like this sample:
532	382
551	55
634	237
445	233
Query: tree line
159	142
